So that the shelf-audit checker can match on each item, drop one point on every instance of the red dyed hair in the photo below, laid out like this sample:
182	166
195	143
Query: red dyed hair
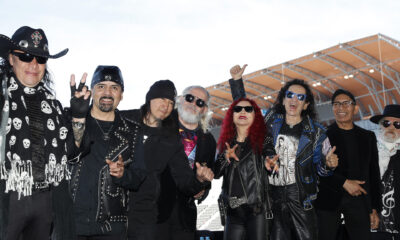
256	133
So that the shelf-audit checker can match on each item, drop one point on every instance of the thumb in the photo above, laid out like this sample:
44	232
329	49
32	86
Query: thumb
331	151
198	165
120	159
244	67
108	161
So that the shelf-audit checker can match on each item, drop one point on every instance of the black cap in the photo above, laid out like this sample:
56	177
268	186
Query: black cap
162	89
345	92
392	110
30	40
107	73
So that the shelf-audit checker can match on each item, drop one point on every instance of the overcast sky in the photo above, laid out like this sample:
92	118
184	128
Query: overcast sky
190	42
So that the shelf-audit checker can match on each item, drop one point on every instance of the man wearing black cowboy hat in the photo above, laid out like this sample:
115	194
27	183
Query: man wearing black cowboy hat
34	142
388	136
111	162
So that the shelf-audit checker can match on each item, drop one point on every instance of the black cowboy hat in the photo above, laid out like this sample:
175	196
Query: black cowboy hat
29	40
392	110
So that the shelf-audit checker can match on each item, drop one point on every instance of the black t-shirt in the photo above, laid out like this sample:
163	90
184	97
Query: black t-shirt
348	154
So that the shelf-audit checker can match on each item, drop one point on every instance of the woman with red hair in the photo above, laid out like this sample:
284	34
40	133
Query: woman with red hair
243	145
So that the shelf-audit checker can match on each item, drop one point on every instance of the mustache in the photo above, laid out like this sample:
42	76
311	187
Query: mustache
106	97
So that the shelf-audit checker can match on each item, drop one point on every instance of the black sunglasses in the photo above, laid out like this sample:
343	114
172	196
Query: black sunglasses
300	96
27	57
387	123
238	109
199	102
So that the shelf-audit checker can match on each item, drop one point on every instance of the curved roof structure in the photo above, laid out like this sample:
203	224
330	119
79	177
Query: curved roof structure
367	67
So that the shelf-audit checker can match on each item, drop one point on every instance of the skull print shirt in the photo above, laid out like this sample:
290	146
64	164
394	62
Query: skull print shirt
24	169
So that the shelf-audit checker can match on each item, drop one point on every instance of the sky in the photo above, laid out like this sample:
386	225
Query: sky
190	42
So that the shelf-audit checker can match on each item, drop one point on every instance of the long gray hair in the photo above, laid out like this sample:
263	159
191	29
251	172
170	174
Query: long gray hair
206	116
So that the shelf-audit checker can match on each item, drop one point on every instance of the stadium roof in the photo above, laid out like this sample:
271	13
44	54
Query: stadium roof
367	67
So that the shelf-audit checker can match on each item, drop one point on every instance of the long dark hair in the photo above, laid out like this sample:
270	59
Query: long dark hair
7	70
169	123
256	132
310	111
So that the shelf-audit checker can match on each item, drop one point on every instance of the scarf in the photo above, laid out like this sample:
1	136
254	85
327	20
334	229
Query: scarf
16	151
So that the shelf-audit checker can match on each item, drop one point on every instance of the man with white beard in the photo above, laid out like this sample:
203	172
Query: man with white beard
388	136
179	221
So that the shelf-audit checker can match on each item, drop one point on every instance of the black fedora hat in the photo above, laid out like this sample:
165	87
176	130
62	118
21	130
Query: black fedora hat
392	110
30	40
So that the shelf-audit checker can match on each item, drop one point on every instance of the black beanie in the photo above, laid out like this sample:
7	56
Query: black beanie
162	89
107	73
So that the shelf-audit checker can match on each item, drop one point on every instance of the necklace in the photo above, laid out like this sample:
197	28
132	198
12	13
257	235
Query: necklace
106	135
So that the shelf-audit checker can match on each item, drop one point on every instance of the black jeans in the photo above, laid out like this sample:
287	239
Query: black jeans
242	223
356	218
385	236
30	217
290	220
139	231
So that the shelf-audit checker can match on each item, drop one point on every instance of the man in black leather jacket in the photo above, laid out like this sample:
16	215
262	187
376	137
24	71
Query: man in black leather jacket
110	163
162	149
179	221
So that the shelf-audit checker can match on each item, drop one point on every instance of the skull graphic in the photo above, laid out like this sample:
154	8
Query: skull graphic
29	90
13	106
8	127
63	133
50	124
12	140
17	123
52	160
5	107
13	85
46	107
26	142
54	142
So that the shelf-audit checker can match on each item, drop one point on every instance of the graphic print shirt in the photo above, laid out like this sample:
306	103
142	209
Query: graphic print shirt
189	141
286	146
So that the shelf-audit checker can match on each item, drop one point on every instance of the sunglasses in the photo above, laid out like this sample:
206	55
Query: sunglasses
300	96
27	57
387	123
199	102
238	109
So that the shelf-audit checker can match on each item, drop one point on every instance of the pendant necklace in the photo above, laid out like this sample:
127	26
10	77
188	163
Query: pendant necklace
106	135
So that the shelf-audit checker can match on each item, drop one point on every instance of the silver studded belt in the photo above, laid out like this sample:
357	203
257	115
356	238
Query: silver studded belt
235	202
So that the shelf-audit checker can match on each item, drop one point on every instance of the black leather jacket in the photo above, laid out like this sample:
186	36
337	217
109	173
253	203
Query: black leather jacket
127	140
252	173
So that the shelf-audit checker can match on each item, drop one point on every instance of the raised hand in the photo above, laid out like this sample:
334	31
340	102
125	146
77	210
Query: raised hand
80	97
270	163
116	168
203	173
230	153
332	159
237	71
353	187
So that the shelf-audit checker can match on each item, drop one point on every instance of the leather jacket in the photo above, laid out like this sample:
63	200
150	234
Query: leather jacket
252	174
310	161
126	139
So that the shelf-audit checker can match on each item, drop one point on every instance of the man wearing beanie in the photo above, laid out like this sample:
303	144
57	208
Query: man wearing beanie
110	162
163	150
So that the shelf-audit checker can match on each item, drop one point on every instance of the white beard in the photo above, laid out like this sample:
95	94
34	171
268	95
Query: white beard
187	116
